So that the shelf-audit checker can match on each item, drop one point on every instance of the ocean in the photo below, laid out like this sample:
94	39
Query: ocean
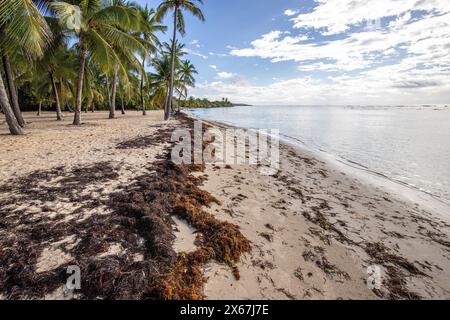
409	145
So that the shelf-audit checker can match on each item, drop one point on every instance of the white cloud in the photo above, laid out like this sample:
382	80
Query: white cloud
401	20
336	16
212	66
336	90
225	75
196	53
195	43
290	12
361	50
212	54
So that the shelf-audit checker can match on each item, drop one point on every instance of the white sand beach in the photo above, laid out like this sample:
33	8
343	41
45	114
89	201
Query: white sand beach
314	230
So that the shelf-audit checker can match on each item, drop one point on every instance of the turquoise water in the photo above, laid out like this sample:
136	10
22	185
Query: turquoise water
409	145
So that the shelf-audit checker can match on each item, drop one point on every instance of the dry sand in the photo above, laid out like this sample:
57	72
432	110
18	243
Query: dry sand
314	229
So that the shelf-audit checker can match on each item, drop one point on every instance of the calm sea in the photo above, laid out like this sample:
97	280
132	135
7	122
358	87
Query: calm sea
408	145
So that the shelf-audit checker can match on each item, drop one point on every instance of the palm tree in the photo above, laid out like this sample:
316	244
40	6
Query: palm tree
130	88
101	29
23	28
179	51
149	27
9	74
186	76
58	63
11	120
178	24
160	80
94	89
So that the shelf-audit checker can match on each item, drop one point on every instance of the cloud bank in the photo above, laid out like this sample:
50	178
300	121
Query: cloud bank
354	52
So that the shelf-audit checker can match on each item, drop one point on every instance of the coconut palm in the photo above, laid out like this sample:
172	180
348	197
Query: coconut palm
125	54
178	6
160	79
149	27
94	89
58	63
180	51
22	27
186	74
101	28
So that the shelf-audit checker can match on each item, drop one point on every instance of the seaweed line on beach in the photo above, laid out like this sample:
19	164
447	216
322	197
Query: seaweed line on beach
136	218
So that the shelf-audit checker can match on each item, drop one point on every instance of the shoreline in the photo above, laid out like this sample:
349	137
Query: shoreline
402	190
332	235
313	229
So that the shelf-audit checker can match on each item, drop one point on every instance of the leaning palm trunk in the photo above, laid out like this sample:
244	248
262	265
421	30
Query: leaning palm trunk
144	112
59	115
12	91
168	109
11	120
77	117
112	105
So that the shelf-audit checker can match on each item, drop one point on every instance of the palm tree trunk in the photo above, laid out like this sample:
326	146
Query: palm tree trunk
108	91
59	115
144	112
77	117
39	109
121	101
166	102
179	101
112	106
172	67
11	120
12	91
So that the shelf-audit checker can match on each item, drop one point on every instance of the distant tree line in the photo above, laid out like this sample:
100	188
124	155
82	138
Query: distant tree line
192	103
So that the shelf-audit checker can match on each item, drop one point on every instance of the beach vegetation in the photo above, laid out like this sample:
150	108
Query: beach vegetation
74	55
177	6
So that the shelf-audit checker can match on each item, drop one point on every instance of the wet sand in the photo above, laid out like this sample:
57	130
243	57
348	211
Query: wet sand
314	230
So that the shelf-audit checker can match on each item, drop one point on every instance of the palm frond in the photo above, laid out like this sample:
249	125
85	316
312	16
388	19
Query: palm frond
23	25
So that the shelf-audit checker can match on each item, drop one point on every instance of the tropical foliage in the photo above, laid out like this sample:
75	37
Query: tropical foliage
87	55
177	6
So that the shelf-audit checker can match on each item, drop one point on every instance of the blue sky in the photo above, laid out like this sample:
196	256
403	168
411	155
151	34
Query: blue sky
321	52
